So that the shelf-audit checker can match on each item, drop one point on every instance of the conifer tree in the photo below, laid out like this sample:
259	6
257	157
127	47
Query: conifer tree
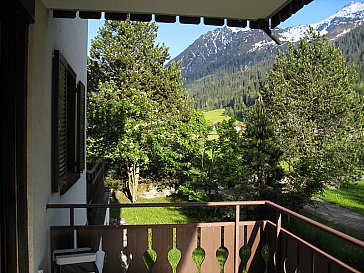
262	153
317	114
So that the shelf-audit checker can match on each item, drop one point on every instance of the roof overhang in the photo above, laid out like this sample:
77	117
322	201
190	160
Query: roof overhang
269	13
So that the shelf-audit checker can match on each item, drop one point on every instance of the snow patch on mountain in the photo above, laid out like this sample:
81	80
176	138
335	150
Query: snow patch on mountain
293	34
343	33
261	45
245	43
238	29
350	11
354	11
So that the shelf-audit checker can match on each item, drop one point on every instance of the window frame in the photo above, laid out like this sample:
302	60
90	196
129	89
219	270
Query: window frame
68	125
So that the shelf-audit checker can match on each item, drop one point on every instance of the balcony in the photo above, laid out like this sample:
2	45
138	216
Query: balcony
249	246
96	191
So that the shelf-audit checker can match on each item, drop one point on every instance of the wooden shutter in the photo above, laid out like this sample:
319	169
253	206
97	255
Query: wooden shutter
59	121
81	127
71	123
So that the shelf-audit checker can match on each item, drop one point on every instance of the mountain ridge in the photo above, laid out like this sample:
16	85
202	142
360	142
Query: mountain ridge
230	40
230	50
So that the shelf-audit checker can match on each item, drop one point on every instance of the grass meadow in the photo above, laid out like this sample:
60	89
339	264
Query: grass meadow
215	115
350	196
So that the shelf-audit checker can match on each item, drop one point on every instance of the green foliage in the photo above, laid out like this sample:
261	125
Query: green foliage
317	113
229	165
240	164
141	120
137	106
352	47
262	152
179	157
192	195
226	89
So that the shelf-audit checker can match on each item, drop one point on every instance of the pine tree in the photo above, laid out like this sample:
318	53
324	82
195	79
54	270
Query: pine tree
317	113
262	153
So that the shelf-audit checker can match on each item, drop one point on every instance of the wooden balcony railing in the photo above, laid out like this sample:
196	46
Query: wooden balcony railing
95	181
250	246
96	192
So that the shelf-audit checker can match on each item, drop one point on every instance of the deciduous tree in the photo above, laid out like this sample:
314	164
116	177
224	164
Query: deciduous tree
135	102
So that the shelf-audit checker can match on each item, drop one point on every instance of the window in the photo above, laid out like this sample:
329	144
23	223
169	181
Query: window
68	147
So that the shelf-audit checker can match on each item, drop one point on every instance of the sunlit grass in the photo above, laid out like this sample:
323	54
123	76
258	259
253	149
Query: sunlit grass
350	196
140	216
215	115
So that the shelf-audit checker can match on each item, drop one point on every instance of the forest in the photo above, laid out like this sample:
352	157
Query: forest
234	88
299	116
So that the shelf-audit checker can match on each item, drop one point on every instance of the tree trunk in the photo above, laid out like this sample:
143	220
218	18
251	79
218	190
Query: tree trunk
133	181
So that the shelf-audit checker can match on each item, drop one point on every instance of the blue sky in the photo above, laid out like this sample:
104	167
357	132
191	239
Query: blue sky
178	37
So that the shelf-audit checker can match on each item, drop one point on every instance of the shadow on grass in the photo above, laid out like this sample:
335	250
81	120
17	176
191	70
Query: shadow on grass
114	212
186	215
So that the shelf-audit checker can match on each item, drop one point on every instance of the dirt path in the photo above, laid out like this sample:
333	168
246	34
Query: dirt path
337	215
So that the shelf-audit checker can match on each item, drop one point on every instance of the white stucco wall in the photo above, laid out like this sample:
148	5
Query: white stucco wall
46	35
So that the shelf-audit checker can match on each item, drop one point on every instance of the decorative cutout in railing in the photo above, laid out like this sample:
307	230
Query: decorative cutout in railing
287	268
174	255
264	246
205	248
265	255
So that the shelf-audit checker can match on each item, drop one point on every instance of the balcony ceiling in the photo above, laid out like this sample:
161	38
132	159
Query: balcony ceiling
242	10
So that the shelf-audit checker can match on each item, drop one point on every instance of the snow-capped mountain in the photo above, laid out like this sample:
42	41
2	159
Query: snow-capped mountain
352	13
334	26
232	49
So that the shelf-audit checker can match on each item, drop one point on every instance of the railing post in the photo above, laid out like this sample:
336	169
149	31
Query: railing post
279	224
277	254
237	220
72	217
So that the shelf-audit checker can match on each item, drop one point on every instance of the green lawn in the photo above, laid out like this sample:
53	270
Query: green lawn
215	115
148	215
351	196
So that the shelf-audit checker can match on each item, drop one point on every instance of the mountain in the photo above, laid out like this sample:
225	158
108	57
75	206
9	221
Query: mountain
235	60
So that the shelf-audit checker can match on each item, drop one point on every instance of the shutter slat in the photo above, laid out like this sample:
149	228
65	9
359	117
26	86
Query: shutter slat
80	127
65	112
59	121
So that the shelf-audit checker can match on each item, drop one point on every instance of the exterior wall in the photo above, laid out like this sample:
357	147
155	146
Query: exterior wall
46	35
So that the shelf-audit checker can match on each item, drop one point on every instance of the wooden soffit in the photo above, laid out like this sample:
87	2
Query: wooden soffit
215	12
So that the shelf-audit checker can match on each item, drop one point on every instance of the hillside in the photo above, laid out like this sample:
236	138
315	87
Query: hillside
225	67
